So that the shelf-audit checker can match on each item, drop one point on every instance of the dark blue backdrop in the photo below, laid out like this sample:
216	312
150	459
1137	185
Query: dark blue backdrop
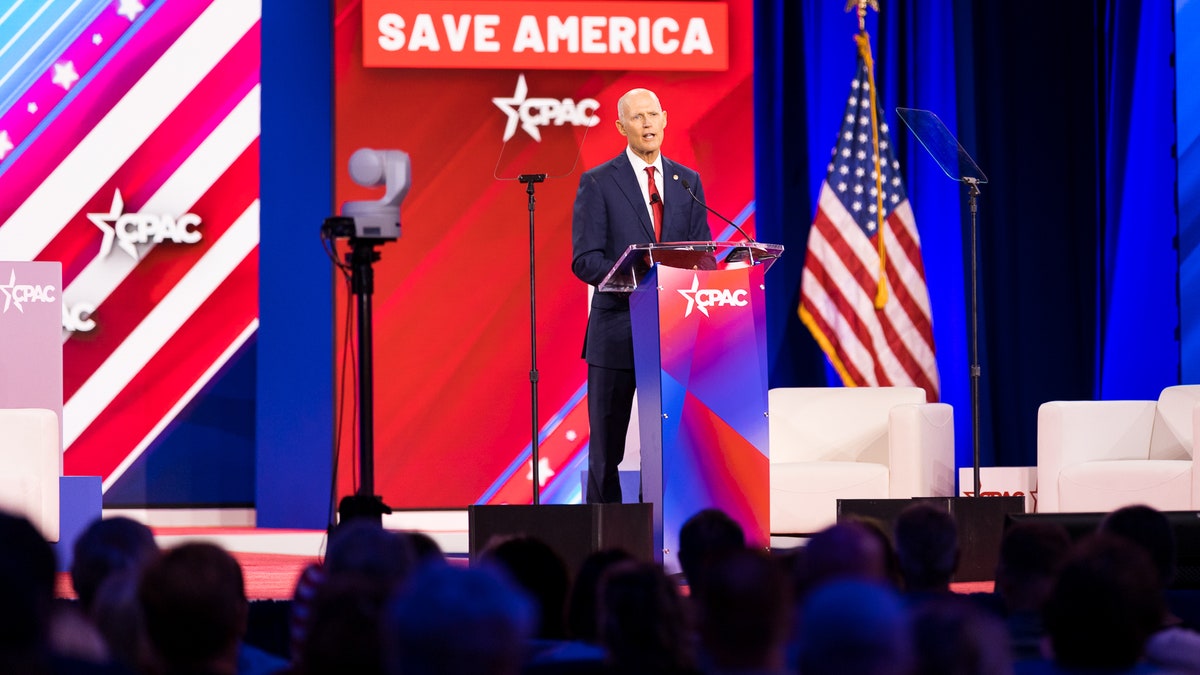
1068	109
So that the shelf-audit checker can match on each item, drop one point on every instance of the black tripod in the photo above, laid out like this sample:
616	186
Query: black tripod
364	503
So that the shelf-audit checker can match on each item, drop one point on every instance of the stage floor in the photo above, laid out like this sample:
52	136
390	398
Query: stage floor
273	559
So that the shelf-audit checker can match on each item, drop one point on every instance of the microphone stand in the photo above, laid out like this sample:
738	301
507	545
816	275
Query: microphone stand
975	370
530	180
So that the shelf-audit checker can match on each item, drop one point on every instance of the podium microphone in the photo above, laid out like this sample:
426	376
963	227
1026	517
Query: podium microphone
713	211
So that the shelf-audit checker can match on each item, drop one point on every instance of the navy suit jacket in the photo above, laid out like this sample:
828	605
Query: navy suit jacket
610	214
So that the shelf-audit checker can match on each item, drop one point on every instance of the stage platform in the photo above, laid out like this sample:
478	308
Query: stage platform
273	559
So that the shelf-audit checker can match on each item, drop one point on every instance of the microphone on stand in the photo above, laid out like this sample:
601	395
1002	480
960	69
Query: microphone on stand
713	211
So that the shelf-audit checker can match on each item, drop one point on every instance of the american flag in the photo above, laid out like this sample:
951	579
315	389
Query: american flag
115	114
863	293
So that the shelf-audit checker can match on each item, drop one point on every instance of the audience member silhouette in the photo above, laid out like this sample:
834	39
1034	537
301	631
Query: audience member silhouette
343	629
844	550
194	601
891	563
541	572
927	547
106	547
424	548
455	621
853	627
707	536
1031	554
1173	645
581	606
954	636
27	569
642	621
359	549
1104	606
108	559
743	614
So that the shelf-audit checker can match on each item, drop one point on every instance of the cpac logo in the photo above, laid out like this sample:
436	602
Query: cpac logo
130	229
15	295
703	298
542	112
78	319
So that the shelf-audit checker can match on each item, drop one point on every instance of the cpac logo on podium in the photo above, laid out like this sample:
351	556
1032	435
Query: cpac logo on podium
16	295
703	298
542	112
129	229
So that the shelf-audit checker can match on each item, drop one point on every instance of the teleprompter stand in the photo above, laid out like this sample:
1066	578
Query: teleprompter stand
958	165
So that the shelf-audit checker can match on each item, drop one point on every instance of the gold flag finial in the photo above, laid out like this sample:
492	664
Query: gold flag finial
861	6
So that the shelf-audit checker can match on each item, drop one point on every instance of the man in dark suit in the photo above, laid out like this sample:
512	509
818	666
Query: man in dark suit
635	198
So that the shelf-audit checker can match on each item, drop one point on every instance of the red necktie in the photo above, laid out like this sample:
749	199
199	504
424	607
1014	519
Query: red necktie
656	205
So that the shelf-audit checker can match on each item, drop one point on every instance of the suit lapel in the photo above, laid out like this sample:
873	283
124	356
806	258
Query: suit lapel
674	198
627	181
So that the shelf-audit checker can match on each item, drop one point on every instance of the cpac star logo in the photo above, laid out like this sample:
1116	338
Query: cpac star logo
703	298
544	471
542	112
130	229
15	295
7	290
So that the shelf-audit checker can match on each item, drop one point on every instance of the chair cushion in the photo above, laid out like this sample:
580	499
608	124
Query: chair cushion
804	494
1106	485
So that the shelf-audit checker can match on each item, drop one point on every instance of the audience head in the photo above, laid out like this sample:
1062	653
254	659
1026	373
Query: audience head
954	636
195	607
927	547
707	536
853	627
1031	554
342	630
27	570
642	621
541	572
455	621
845	550
744	612
581	606
109	546
1150	529
424	548
1104	606
362	547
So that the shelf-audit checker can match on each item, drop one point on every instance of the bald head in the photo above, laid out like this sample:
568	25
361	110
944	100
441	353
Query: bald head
641	119
623	102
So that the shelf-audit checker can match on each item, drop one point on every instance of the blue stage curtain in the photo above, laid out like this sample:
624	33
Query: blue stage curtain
1062	106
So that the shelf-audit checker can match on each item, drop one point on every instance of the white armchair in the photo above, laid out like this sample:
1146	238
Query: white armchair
854	443
1097	456
30	466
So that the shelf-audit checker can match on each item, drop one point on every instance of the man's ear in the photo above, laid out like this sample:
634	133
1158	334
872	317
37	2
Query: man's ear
664	114
620	127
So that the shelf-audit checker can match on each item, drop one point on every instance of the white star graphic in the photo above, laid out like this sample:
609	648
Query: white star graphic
509	106
130	9
690	294
544	471
6	144
7	291
65	75
103	220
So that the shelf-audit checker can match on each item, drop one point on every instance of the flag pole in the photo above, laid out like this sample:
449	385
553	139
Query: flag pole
863	40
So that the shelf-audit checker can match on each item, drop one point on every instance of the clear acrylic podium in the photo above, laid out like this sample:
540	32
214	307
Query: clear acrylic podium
700	354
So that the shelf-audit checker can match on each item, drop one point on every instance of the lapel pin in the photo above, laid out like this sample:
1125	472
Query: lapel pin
675	177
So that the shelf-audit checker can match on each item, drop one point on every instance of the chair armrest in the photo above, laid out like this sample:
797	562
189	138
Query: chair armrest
921	450
1071	432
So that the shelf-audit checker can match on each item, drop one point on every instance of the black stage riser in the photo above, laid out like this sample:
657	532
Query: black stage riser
980	525
572	530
